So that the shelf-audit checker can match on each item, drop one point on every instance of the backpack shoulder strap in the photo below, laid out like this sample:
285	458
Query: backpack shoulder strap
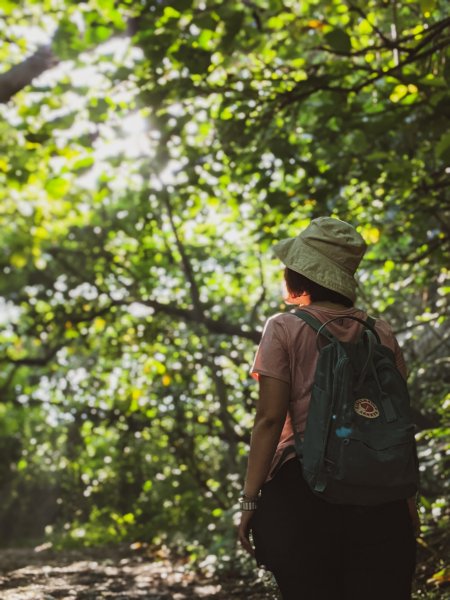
371	322
321	327
317	325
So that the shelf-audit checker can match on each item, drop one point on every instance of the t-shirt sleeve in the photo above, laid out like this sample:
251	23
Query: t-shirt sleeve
399	359
272	356
389	339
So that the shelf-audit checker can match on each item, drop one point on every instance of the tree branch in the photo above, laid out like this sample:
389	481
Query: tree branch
392	71
187	267
222	395
378	31
262	297
8	380
216	326
431	33
35	361
219	326
418	324
22	74
407	258
319	82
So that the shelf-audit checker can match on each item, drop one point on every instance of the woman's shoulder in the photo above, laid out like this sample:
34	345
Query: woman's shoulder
286	324
275	322
284	319
281	316
383	328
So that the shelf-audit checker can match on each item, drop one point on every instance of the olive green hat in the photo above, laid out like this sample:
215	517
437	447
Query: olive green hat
328	252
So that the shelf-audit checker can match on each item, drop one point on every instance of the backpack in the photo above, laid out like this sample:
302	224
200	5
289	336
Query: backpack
358	447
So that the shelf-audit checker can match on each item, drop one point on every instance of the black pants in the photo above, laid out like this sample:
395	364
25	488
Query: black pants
322	551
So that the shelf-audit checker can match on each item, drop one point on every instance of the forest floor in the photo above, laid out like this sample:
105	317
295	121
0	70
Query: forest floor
97	574
140	573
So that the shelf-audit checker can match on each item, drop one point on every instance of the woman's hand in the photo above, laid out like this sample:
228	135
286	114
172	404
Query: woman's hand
244	531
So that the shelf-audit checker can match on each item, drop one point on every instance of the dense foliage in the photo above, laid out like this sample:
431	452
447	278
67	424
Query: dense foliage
150	154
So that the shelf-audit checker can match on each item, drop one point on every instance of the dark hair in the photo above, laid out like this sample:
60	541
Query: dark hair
298	284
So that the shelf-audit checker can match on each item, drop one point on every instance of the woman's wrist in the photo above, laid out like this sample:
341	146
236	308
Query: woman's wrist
250	497
248	502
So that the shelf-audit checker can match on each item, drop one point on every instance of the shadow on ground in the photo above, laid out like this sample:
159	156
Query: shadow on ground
27	574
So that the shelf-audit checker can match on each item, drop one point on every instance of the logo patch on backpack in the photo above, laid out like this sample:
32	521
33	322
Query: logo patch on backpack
366	408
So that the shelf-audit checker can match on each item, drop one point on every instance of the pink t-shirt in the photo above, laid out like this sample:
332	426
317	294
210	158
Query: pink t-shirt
287	351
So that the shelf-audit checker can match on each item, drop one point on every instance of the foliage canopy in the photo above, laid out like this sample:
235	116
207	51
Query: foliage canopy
164	146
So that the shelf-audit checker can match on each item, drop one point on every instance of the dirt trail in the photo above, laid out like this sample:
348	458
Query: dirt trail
27	574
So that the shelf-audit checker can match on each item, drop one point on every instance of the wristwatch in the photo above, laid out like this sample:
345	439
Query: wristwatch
246	503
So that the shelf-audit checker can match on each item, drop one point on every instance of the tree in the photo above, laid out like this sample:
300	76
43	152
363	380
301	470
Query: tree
144	179
23	74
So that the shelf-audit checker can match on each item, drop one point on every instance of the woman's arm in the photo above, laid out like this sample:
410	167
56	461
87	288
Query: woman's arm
270	416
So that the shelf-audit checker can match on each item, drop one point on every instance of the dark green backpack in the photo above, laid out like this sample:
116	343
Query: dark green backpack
358	446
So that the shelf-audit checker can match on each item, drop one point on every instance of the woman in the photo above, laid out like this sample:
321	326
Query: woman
315	549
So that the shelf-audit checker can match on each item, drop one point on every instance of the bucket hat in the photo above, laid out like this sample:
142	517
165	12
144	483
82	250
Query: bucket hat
327	252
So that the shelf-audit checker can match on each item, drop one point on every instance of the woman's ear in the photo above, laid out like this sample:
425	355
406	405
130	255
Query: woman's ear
300	299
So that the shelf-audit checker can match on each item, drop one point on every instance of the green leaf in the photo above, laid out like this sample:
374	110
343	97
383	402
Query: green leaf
442	149
339	40
58	187
102	33
7	7
233	26
427	6
68	40
171	13
83	163
195	59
